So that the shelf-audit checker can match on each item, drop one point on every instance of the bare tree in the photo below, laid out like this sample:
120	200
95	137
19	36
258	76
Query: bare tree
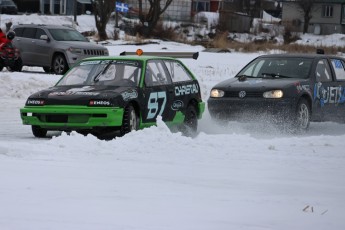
306	7
102	10
150	19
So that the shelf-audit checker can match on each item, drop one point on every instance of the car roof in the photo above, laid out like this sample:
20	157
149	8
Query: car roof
48	26
297	55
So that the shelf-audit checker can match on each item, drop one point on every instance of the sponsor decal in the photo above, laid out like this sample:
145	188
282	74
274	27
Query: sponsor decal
132	63
301	88
90	62
35	102
176	105
186	89
128	95
99	102
329	95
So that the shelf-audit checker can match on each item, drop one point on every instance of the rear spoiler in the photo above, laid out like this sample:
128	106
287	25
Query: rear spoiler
193	55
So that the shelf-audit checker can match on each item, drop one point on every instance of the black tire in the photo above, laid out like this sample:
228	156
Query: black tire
47	69
17	67
190	124
38	131
130	120
302	115
1	65
60	65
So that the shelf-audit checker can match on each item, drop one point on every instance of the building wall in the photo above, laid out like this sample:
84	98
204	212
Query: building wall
325	25
178	10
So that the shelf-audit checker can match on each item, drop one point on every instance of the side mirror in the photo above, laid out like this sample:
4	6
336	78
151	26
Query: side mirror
44	37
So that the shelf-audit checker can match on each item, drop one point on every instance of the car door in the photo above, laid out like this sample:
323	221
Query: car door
325	90
24	42
338	67
185	88
159	92
42	48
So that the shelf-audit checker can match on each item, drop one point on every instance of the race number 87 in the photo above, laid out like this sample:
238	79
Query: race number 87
154	103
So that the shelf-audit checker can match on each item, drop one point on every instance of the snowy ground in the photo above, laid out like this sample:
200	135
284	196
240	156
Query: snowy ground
239	176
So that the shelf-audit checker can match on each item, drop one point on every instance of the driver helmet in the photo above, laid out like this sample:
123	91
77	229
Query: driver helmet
10	35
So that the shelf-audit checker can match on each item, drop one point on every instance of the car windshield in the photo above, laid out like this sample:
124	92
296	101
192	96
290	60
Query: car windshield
67	35
278	67
103	72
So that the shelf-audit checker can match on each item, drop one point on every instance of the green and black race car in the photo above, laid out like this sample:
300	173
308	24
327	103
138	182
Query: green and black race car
113	95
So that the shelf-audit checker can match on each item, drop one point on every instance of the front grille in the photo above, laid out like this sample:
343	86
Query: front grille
57	118
248	94
94	52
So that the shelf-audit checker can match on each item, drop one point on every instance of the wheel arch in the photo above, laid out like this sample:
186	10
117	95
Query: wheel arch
309	101
58	53
194	103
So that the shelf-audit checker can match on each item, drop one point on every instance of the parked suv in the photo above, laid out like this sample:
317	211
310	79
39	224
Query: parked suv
55	48
8	7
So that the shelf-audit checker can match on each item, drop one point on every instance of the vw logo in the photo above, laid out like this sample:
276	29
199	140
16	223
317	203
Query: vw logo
242	94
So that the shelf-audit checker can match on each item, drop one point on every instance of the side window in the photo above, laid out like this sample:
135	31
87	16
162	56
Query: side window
338	66
29	32
39	32
156	73
322	71
177	72
18	31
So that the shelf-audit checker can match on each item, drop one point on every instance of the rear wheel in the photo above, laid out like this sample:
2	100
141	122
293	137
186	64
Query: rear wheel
60	65
17	67
38	131
130	120
190	124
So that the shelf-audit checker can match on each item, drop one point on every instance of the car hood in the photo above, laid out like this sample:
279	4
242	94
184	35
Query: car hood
81	95
82	45
257	83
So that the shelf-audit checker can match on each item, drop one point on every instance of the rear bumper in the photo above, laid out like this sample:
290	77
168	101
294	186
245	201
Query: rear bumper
71	117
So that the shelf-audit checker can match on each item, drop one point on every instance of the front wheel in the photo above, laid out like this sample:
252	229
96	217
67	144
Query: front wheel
130	120
301	117
60	65
38	131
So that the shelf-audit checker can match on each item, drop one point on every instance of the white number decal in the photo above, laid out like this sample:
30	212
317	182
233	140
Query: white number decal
153	104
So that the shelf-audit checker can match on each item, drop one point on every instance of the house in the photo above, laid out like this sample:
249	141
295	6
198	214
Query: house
327	16
63	7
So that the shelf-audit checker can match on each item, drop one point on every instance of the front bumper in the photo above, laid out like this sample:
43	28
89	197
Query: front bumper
53	117
250	108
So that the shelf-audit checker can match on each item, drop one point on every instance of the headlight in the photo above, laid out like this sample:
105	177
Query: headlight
35	102
273	94
217	93
75	50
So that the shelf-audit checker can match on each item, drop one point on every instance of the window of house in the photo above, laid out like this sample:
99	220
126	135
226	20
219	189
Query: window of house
201	5
327	11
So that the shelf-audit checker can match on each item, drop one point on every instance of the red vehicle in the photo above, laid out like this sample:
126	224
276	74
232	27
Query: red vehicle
9	55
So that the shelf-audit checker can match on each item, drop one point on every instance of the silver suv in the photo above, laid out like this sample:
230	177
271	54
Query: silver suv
53	47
